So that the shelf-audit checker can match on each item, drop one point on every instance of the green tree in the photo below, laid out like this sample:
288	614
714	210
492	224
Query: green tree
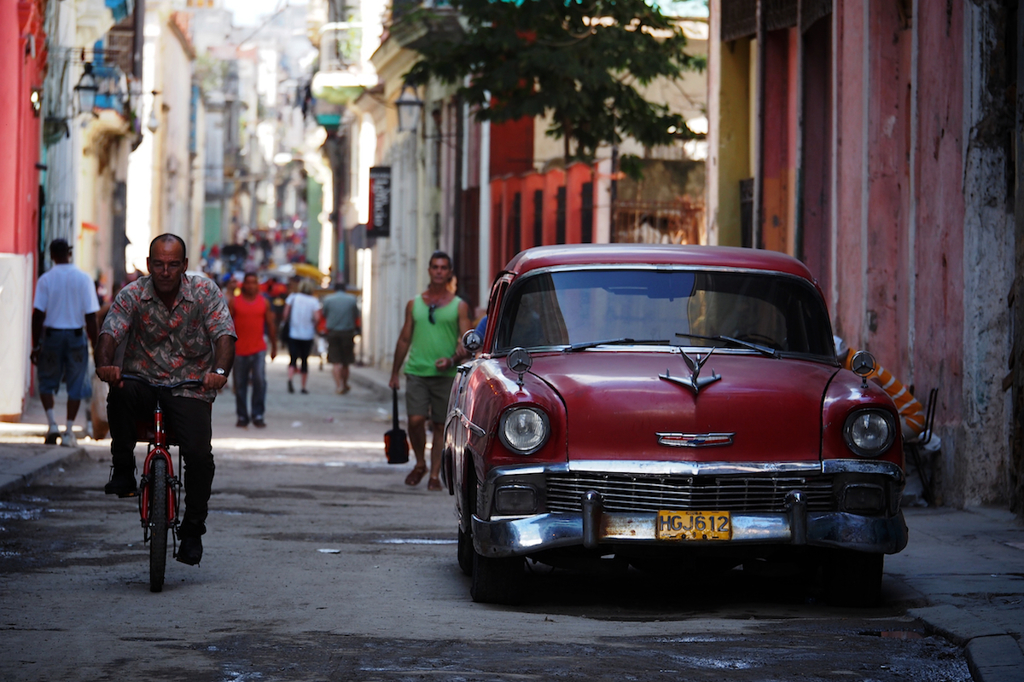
580	62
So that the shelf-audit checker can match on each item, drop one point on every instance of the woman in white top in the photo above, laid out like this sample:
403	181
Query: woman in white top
300	309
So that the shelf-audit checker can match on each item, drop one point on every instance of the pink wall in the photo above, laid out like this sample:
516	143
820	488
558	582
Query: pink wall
887	291
779	119
816	169
10	82
29	72
940	206
850	45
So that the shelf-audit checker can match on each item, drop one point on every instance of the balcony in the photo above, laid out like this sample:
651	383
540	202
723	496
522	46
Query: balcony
343	74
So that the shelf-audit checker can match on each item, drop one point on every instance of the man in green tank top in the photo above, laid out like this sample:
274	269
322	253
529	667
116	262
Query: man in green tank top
434	324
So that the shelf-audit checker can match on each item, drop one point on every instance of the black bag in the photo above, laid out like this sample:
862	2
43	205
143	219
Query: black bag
396	445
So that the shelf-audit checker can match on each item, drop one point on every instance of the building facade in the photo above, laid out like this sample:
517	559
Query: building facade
865	139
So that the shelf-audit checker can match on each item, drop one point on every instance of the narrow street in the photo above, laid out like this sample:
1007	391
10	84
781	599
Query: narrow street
321	564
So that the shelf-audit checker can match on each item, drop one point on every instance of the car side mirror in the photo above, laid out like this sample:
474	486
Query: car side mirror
472	341
862	364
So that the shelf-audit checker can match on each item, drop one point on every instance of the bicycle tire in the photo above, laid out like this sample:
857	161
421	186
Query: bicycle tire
157	523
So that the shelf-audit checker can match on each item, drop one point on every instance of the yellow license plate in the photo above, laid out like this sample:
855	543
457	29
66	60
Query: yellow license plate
696	525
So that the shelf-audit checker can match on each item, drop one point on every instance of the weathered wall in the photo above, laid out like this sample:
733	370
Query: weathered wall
778	165
888	196
980	463
1017	359
852	52
814	246
937	352
729	140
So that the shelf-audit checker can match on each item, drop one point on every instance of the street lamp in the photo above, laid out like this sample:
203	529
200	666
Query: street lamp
409	107
86	90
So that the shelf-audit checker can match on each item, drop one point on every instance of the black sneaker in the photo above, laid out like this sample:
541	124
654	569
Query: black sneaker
51	437
190	551
242	423
121	483
259	423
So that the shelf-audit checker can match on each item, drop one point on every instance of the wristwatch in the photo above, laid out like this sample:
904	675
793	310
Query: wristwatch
220	371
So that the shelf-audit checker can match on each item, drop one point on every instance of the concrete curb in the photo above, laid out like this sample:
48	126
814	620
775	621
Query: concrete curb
995	659
37	460
992	654
365	379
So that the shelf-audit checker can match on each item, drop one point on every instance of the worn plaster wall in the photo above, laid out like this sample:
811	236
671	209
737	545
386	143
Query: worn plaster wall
888	197
1017	322
729	137
779	139
852	52
980	462
936	356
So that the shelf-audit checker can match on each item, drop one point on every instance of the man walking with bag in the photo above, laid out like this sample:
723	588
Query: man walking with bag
434	322
63	324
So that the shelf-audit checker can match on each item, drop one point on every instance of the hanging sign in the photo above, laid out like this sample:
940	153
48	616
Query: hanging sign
380	202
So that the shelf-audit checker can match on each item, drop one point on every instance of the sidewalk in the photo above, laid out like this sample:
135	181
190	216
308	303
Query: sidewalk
962	573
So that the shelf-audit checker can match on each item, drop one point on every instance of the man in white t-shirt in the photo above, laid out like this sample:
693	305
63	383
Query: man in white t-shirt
63	324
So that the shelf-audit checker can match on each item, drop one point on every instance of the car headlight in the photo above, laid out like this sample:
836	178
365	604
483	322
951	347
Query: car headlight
524	429
869	433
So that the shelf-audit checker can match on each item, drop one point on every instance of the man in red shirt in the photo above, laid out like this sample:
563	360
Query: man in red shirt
252	315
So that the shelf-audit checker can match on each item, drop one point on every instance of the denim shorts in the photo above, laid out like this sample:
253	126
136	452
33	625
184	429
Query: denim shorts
63	356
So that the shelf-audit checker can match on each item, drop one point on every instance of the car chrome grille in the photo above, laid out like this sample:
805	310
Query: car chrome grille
629	493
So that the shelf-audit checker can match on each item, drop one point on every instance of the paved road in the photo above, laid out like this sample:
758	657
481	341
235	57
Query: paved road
321	564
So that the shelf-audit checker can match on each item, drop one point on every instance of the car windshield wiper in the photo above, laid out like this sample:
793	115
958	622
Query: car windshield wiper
614	342
763	350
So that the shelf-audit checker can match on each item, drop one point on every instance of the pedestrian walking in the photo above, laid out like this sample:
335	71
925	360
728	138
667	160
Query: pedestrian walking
63	325
341	313
434	322
252	315
177	328
300	310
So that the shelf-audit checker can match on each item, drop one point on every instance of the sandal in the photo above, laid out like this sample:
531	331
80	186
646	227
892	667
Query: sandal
434	484
416	475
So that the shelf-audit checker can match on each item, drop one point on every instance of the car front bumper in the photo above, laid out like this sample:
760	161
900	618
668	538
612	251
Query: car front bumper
520	537
594	526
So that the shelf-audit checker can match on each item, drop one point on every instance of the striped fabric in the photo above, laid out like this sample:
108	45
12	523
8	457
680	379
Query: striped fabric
911	411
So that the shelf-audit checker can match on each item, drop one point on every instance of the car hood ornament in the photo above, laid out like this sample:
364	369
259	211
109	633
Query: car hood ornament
695	381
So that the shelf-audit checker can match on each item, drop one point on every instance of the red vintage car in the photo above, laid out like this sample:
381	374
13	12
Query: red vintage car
678	407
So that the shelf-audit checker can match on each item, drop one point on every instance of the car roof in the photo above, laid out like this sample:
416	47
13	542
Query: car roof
657	254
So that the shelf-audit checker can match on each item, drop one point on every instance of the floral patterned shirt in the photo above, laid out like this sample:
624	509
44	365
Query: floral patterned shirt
165	346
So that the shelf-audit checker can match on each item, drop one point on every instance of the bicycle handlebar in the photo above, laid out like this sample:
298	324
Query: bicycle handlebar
187	382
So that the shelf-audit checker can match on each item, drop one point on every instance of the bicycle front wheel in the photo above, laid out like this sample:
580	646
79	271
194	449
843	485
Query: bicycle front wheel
157	523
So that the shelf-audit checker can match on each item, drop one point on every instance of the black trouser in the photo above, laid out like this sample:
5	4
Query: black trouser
188	419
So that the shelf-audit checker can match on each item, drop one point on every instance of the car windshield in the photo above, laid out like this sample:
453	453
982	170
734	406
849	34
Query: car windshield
690	308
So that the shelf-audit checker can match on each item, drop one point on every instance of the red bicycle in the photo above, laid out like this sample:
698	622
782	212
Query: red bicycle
159	487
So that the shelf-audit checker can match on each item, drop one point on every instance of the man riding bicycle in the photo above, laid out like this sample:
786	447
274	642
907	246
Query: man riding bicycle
176	328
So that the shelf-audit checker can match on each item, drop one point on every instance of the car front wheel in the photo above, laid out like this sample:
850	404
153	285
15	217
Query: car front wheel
466	552
497	581
852	578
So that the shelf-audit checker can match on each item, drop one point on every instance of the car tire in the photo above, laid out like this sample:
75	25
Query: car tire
497	581
466	552
852	578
